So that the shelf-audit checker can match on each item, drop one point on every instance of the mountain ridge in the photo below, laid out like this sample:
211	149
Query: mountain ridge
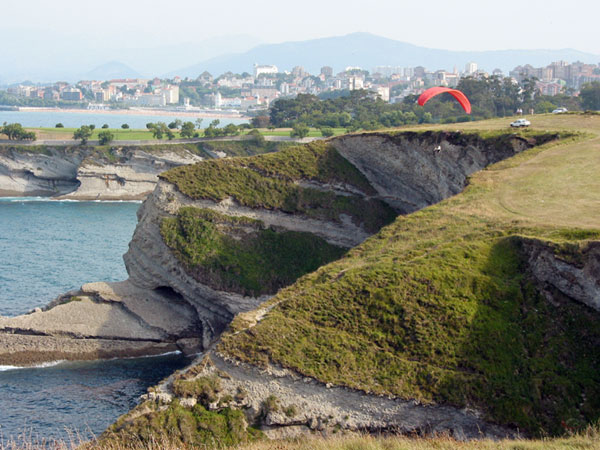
368	50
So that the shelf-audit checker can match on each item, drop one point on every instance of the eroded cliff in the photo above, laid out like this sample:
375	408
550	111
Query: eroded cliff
414	325
88	173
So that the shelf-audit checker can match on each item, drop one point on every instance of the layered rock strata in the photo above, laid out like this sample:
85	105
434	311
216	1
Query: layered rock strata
86	173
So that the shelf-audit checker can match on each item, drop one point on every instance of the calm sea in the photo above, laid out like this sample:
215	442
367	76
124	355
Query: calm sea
48	119
46	248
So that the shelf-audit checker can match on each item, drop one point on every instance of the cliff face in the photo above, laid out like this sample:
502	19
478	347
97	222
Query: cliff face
217	240
87	173
571	272
407	172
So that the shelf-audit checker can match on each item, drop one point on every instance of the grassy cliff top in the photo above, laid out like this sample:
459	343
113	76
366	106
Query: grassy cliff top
270	181
438	306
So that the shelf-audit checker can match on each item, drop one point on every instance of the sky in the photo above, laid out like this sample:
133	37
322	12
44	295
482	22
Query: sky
446	24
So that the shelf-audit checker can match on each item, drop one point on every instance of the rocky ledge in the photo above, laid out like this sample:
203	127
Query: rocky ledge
88	173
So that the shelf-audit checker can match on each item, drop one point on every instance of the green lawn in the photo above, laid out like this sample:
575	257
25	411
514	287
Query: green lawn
142	134
120	134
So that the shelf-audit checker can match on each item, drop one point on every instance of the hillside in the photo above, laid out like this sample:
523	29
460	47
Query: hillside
474	316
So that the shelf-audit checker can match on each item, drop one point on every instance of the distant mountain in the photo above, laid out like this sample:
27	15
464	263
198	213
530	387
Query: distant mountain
111	70
44	56
367	51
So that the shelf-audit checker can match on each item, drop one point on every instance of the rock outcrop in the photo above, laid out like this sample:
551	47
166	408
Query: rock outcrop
87	173
575	276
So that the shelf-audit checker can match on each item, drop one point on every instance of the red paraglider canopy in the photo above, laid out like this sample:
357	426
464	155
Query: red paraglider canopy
458	95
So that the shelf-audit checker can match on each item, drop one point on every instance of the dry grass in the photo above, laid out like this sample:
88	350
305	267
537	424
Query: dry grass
557	187
590	439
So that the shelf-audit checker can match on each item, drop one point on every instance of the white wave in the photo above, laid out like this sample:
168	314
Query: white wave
36	366
55	363
62	200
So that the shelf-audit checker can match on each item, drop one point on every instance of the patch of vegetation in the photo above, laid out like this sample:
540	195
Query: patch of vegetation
239	254
205	389
249	147
438	307
183	427
270	181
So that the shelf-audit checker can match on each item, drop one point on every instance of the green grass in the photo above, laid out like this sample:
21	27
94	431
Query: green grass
195	427
120	134
270	181
314	132
244	148
240	254
439	306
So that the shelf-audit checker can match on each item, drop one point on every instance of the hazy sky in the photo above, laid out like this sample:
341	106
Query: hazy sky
448	24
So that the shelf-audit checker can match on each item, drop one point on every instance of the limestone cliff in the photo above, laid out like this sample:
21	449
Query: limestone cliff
87	173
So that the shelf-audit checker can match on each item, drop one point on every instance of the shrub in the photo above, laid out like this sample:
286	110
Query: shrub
59	125
105	137
326	131
125	126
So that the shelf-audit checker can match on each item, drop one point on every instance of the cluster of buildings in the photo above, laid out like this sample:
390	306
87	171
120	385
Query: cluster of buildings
257	90
129	91
557	76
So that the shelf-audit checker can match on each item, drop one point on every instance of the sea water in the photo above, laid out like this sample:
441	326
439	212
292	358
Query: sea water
49	247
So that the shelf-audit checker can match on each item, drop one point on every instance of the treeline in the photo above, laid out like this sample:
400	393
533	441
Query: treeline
490	97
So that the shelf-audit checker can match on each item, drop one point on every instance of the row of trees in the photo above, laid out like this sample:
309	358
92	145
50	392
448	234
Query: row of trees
490	97
84	133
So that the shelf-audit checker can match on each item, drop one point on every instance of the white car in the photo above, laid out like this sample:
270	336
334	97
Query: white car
559	110
520	123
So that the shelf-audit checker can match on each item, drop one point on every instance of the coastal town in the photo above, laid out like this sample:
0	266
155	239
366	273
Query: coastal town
251	93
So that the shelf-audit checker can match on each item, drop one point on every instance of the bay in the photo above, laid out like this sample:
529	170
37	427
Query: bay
48	247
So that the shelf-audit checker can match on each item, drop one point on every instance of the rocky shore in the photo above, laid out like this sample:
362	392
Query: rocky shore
87	173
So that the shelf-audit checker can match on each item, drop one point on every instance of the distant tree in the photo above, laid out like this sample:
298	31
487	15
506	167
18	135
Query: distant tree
125	126
198	123
326	131
59	125
188	130
105	126
260	121
590	96
15	131
176	124
105	137
231	130
299	130
92	127
83	133
256	137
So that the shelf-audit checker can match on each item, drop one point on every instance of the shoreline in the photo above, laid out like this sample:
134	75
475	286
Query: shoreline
137	112
135	198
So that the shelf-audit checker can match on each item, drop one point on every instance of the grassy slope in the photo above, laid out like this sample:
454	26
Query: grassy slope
437	306
241	255
271	183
